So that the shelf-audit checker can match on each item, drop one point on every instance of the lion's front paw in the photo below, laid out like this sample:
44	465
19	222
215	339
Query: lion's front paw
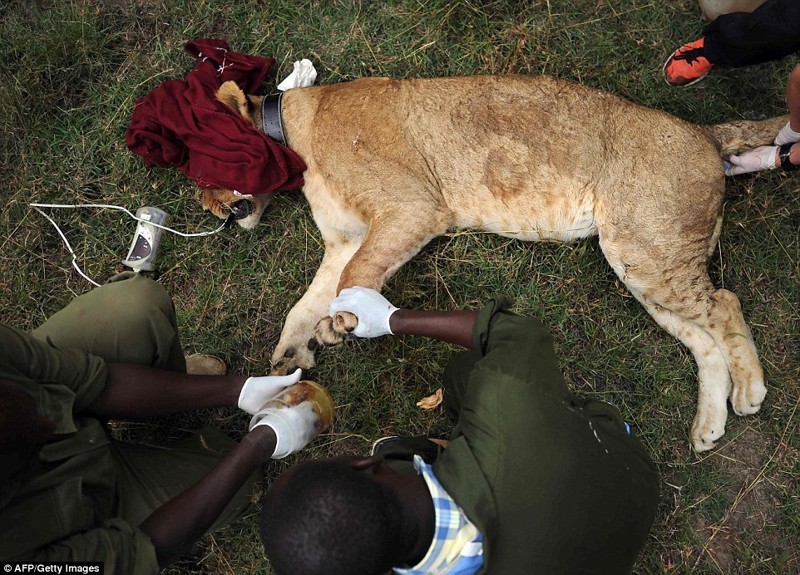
334	330
285	361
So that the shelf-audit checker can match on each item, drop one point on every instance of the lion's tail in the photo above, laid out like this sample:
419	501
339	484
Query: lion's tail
733	137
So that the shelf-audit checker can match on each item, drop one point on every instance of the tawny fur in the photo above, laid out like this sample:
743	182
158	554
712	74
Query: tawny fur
393	164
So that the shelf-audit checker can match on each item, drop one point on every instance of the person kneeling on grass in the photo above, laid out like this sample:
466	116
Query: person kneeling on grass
68	490
533	479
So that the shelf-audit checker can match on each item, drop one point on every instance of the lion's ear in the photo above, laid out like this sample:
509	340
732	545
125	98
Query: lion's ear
232	96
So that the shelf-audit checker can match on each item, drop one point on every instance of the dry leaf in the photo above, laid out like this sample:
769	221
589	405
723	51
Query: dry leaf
432	401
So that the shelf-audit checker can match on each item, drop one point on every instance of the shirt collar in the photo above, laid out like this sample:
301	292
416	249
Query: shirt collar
457	544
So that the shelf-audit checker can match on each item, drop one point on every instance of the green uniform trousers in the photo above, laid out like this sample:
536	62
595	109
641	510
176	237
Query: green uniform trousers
90	492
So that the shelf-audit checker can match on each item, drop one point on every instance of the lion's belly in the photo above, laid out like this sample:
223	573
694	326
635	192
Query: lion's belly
562	226
532	216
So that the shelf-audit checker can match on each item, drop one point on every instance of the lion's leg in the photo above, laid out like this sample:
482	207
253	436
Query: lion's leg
675	289
733	336
390	242
297	342
714	382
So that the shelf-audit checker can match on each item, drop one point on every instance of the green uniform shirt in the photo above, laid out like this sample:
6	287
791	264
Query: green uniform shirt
554	482
59	509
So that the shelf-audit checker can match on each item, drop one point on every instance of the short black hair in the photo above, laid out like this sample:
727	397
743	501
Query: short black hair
330	519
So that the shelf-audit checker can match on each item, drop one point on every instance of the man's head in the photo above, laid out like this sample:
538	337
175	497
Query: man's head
22	431
336	516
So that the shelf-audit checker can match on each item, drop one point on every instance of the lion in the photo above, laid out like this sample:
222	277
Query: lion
391	164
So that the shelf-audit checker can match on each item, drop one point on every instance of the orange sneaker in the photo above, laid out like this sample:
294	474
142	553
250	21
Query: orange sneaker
687	65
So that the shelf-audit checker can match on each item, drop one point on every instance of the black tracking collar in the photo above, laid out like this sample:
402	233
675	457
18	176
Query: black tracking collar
271	122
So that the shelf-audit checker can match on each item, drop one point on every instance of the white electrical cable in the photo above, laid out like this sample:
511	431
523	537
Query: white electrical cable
113	207
69	247
110	206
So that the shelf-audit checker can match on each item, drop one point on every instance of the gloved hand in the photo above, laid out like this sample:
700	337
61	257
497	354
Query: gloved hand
762	158
370	307
257	391
787	135
295	426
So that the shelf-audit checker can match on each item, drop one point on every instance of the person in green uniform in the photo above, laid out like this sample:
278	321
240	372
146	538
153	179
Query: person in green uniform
533	479
68	490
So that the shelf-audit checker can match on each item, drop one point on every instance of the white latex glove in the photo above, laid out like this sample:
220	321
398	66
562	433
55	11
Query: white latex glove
787	135
370	307
257	391
762	158
294	426
304	74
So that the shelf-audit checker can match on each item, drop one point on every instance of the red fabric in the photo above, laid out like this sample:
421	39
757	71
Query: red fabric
182	124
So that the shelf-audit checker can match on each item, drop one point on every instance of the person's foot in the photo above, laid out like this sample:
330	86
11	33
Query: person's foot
687	65
202	364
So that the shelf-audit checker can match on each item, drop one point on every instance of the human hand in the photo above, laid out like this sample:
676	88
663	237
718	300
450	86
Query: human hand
762	158
257	391
294	426
370	307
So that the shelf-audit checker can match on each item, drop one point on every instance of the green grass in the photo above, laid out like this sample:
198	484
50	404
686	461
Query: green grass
73	71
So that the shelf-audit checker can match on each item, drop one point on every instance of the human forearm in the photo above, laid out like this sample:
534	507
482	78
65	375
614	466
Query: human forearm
136	391
181	521
793	98
378	316
450	326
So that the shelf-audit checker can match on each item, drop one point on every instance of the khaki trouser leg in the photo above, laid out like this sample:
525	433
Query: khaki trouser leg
131	319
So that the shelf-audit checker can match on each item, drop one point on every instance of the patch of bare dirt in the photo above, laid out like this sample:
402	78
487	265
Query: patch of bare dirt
753	513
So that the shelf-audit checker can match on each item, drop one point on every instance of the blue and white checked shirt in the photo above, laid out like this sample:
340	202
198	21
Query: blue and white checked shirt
457	546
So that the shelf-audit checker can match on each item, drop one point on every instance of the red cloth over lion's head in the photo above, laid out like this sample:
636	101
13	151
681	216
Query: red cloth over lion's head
182	124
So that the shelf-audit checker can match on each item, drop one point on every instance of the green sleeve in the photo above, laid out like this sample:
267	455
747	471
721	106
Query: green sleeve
515	345
482	328
123	549
61	381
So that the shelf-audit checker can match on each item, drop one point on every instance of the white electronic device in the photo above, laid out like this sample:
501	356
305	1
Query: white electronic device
144	246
